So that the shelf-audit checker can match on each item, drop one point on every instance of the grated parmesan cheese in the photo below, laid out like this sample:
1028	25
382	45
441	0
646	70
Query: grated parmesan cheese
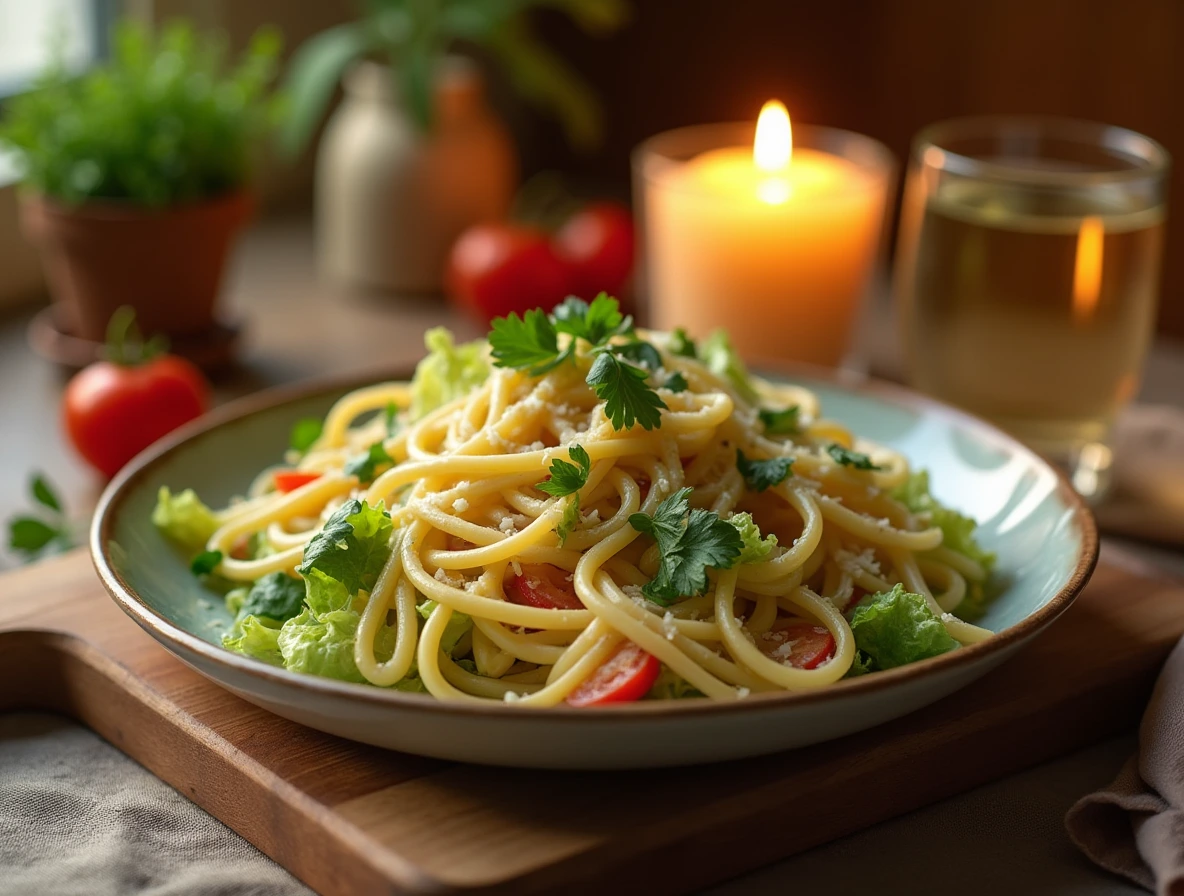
460	505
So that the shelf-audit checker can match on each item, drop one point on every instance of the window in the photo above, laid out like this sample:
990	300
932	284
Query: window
30	29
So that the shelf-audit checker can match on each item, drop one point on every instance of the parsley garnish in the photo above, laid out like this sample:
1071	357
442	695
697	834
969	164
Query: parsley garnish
690	542
205	563
780	423
676	383
365	465
527	343
567	479
639	352
622	387
595	323
762	474
33	534
854	459
305	434
682	345
277	596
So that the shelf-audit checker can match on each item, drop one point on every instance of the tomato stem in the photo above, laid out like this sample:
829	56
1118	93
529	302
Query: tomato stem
126	345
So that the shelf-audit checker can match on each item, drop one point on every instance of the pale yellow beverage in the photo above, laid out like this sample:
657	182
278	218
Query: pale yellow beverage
1030	307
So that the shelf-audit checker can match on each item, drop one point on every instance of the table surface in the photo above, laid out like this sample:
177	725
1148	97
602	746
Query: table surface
296	327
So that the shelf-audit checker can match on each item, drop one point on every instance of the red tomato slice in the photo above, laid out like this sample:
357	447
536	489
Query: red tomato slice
625	676
802	645
290	480
544	586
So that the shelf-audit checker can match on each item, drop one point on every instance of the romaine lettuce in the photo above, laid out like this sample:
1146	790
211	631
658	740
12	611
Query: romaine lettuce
447	372
183	518
894	628
957	529
346	555
255	637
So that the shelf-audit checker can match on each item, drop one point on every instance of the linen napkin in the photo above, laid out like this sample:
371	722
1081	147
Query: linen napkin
1135	827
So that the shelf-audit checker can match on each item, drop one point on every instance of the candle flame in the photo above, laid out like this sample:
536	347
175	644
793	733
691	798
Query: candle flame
1087	269
774	139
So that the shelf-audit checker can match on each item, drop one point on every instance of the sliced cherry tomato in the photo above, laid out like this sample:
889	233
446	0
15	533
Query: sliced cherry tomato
802	645
290	480
625	676
498	268
597	246
544	586
112	411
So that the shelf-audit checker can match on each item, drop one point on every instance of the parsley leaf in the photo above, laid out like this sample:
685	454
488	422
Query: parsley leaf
277	596
626	396
304	434
569	520
595	323
205	563
682	345
676	383
529	342
762	474
44	494
351	547
639	352
365	465
29	534
567	479
690	543
854	459
780	423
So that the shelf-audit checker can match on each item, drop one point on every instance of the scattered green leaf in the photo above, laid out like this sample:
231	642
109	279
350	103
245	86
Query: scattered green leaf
205	563
623	389
305	433
763	474
857	460
781	423
567	478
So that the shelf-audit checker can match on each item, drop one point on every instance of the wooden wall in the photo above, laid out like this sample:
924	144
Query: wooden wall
887	68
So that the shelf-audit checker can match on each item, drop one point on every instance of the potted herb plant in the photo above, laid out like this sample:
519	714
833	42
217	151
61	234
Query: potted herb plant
136	175
414	155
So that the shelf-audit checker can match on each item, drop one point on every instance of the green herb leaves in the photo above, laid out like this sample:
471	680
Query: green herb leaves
855	459
780	423
30	535
531	343
690	542
763	474
682	345
351	547
626	396
676	382
304	434
567	479
277	596
205	563
364	466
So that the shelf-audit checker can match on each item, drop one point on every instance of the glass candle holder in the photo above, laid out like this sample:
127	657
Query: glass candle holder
782	260
1027	276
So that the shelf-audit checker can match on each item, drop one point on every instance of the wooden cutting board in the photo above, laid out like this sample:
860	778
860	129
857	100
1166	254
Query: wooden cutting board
350	819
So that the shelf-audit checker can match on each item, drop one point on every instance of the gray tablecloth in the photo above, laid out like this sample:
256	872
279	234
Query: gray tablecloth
77	818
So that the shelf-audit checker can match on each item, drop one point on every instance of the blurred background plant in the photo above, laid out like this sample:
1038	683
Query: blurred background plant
413	36
167	119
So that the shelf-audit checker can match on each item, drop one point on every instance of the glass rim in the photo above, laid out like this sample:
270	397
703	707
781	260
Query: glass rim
1145	156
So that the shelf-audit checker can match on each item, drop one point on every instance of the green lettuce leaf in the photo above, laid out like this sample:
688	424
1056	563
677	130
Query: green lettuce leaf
957	529
322	646
721	359
458	625
448	372
276	596
255	637
755	548
350	550
183	518
894	628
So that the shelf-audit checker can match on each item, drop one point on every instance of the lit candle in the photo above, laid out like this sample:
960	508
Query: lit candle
774	242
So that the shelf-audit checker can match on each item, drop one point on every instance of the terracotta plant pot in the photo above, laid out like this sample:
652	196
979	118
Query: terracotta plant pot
391	200
166	263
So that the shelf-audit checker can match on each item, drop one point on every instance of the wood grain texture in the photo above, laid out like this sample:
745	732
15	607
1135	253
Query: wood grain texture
347	818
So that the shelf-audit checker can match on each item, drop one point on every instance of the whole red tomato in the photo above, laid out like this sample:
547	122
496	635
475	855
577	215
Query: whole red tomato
113	411
596	244
498	268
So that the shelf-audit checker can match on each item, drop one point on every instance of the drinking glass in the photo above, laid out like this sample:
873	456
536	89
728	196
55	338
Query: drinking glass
1027	275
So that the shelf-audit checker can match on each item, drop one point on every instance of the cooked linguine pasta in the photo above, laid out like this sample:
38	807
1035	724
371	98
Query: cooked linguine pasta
540	551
